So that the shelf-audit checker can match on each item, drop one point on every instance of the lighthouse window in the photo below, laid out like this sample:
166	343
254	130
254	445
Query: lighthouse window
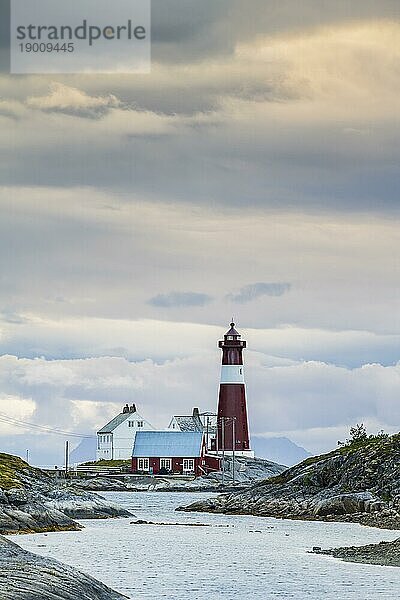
240	371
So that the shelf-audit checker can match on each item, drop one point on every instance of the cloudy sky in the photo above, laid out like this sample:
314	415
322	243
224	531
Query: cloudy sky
254	173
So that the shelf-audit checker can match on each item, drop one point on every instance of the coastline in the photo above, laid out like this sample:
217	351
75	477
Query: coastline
27	576
386	554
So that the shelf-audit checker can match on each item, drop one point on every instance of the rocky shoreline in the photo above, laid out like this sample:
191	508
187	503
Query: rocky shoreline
358	483
385	553
25	576
32	501
247	471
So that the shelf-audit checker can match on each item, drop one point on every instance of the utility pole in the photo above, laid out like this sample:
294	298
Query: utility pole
66	458
233	447
27	456
223	448
207	423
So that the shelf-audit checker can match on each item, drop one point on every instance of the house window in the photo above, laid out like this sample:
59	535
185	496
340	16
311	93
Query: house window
131	423
140	423
188	465
143	464
165	463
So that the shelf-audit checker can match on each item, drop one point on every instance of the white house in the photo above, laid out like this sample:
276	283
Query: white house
115	440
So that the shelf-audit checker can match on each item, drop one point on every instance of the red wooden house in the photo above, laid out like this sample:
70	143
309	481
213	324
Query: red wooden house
171	453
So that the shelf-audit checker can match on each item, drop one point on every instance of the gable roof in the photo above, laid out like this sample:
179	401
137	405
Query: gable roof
188	423
116	421
113	424
193	423
185	444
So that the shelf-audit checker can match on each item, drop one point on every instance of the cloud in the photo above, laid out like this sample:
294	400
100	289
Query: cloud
257	290
270	124
22	409
86	259
81	395
193	32
72	101
179	299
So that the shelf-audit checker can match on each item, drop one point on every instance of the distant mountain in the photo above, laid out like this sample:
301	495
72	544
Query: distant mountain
278	449
84	452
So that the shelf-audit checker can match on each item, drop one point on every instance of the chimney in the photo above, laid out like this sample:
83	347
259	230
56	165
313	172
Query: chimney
125	409
132	409
196	412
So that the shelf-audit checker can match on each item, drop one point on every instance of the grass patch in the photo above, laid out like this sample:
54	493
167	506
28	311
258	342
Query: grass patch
108	463
10	466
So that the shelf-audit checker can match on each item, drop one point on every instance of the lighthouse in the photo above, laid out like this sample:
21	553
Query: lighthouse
233	427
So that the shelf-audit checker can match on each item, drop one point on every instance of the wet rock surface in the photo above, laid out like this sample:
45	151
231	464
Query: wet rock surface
356	483
33	501
384	553
25	576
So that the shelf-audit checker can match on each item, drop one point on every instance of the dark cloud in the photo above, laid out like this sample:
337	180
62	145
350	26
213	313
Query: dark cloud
257	290
191	30
207	160
178	299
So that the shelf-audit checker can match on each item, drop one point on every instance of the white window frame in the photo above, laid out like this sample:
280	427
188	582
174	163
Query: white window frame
143	464
188	465
166	463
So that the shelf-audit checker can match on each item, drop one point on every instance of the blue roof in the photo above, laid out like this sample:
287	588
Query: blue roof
184	444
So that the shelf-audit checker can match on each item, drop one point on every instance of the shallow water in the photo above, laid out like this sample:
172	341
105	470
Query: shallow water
235	557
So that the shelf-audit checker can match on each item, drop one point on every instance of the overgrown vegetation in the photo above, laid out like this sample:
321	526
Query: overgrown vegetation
12	467
360	438
9	468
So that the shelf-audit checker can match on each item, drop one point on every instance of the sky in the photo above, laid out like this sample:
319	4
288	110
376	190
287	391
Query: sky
253	173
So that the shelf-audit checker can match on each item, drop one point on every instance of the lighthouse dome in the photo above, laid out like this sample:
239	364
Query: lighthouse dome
232	331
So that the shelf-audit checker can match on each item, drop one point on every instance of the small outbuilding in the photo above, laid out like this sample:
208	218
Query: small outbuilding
169	453
197	421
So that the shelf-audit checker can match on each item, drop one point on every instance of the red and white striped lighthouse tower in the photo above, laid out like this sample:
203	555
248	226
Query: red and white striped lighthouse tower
233	427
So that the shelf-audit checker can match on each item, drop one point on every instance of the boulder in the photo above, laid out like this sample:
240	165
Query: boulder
344	504
25	576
